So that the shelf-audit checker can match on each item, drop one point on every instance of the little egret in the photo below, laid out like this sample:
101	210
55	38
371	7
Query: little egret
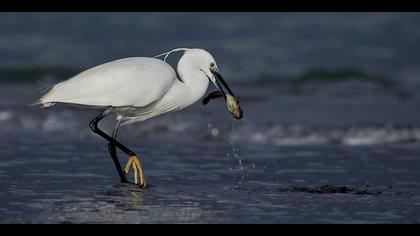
139	88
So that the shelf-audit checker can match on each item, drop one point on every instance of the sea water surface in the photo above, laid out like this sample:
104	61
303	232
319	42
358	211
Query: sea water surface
330	133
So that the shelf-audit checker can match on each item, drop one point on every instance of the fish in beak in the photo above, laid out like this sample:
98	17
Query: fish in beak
232	103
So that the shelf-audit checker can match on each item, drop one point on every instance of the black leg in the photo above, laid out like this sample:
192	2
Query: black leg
94	127
113	152
112	143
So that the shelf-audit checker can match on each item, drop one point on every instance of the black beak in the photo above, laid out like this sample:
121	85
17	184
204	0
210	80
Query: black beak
220	79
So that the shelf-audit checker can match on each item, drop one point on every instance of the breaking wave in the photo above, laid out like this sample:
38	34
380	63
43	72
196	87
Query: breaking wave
354	135
68	123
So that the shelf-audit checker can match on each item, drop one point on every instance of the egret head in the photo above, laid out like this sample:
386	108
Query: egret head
206	63
199	60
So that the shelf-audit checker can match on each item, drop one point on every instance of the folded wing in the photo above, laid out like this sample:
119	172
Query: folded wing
136	81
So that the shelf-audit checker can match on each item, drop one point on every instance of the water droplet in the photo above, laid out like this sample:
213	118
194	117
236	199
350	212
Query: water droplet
215	132
240	168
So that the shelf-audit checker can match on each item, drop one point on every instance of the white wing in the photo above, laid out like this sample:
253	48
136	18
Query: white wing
135	81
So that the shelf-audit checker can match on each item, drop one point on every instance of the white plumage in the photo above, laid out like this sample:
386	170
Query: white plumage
138	88
136	81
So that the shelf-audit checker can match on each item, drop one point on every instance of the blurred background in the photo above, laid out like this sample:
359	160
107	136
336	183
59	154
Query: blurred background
303	78
328	98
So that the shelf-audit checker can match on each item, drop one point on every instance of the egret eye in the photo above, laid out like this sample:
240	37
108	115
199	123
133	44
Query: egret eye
211	64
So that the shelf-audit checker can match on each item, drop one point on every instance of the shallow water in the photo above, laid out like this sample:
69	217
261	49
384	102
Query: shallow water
205	168
73	181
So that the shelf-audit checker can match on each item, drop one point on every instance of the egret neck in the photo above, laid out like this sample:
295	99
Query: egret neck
193	84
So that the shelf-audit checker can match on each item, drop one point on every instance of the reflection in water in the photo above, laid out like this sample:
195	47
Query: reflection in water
129	196
122	203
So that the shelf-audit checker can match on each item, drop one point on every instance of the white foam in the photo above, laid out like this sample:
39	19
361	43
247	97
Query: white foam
5	115
301	135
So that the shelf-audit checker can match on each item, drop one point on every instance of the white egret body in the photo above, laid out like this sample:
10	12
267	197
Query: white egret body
137	89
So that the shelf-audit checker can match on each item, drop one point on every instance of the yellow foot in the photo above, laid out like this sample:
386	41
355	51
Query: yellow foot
134	162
